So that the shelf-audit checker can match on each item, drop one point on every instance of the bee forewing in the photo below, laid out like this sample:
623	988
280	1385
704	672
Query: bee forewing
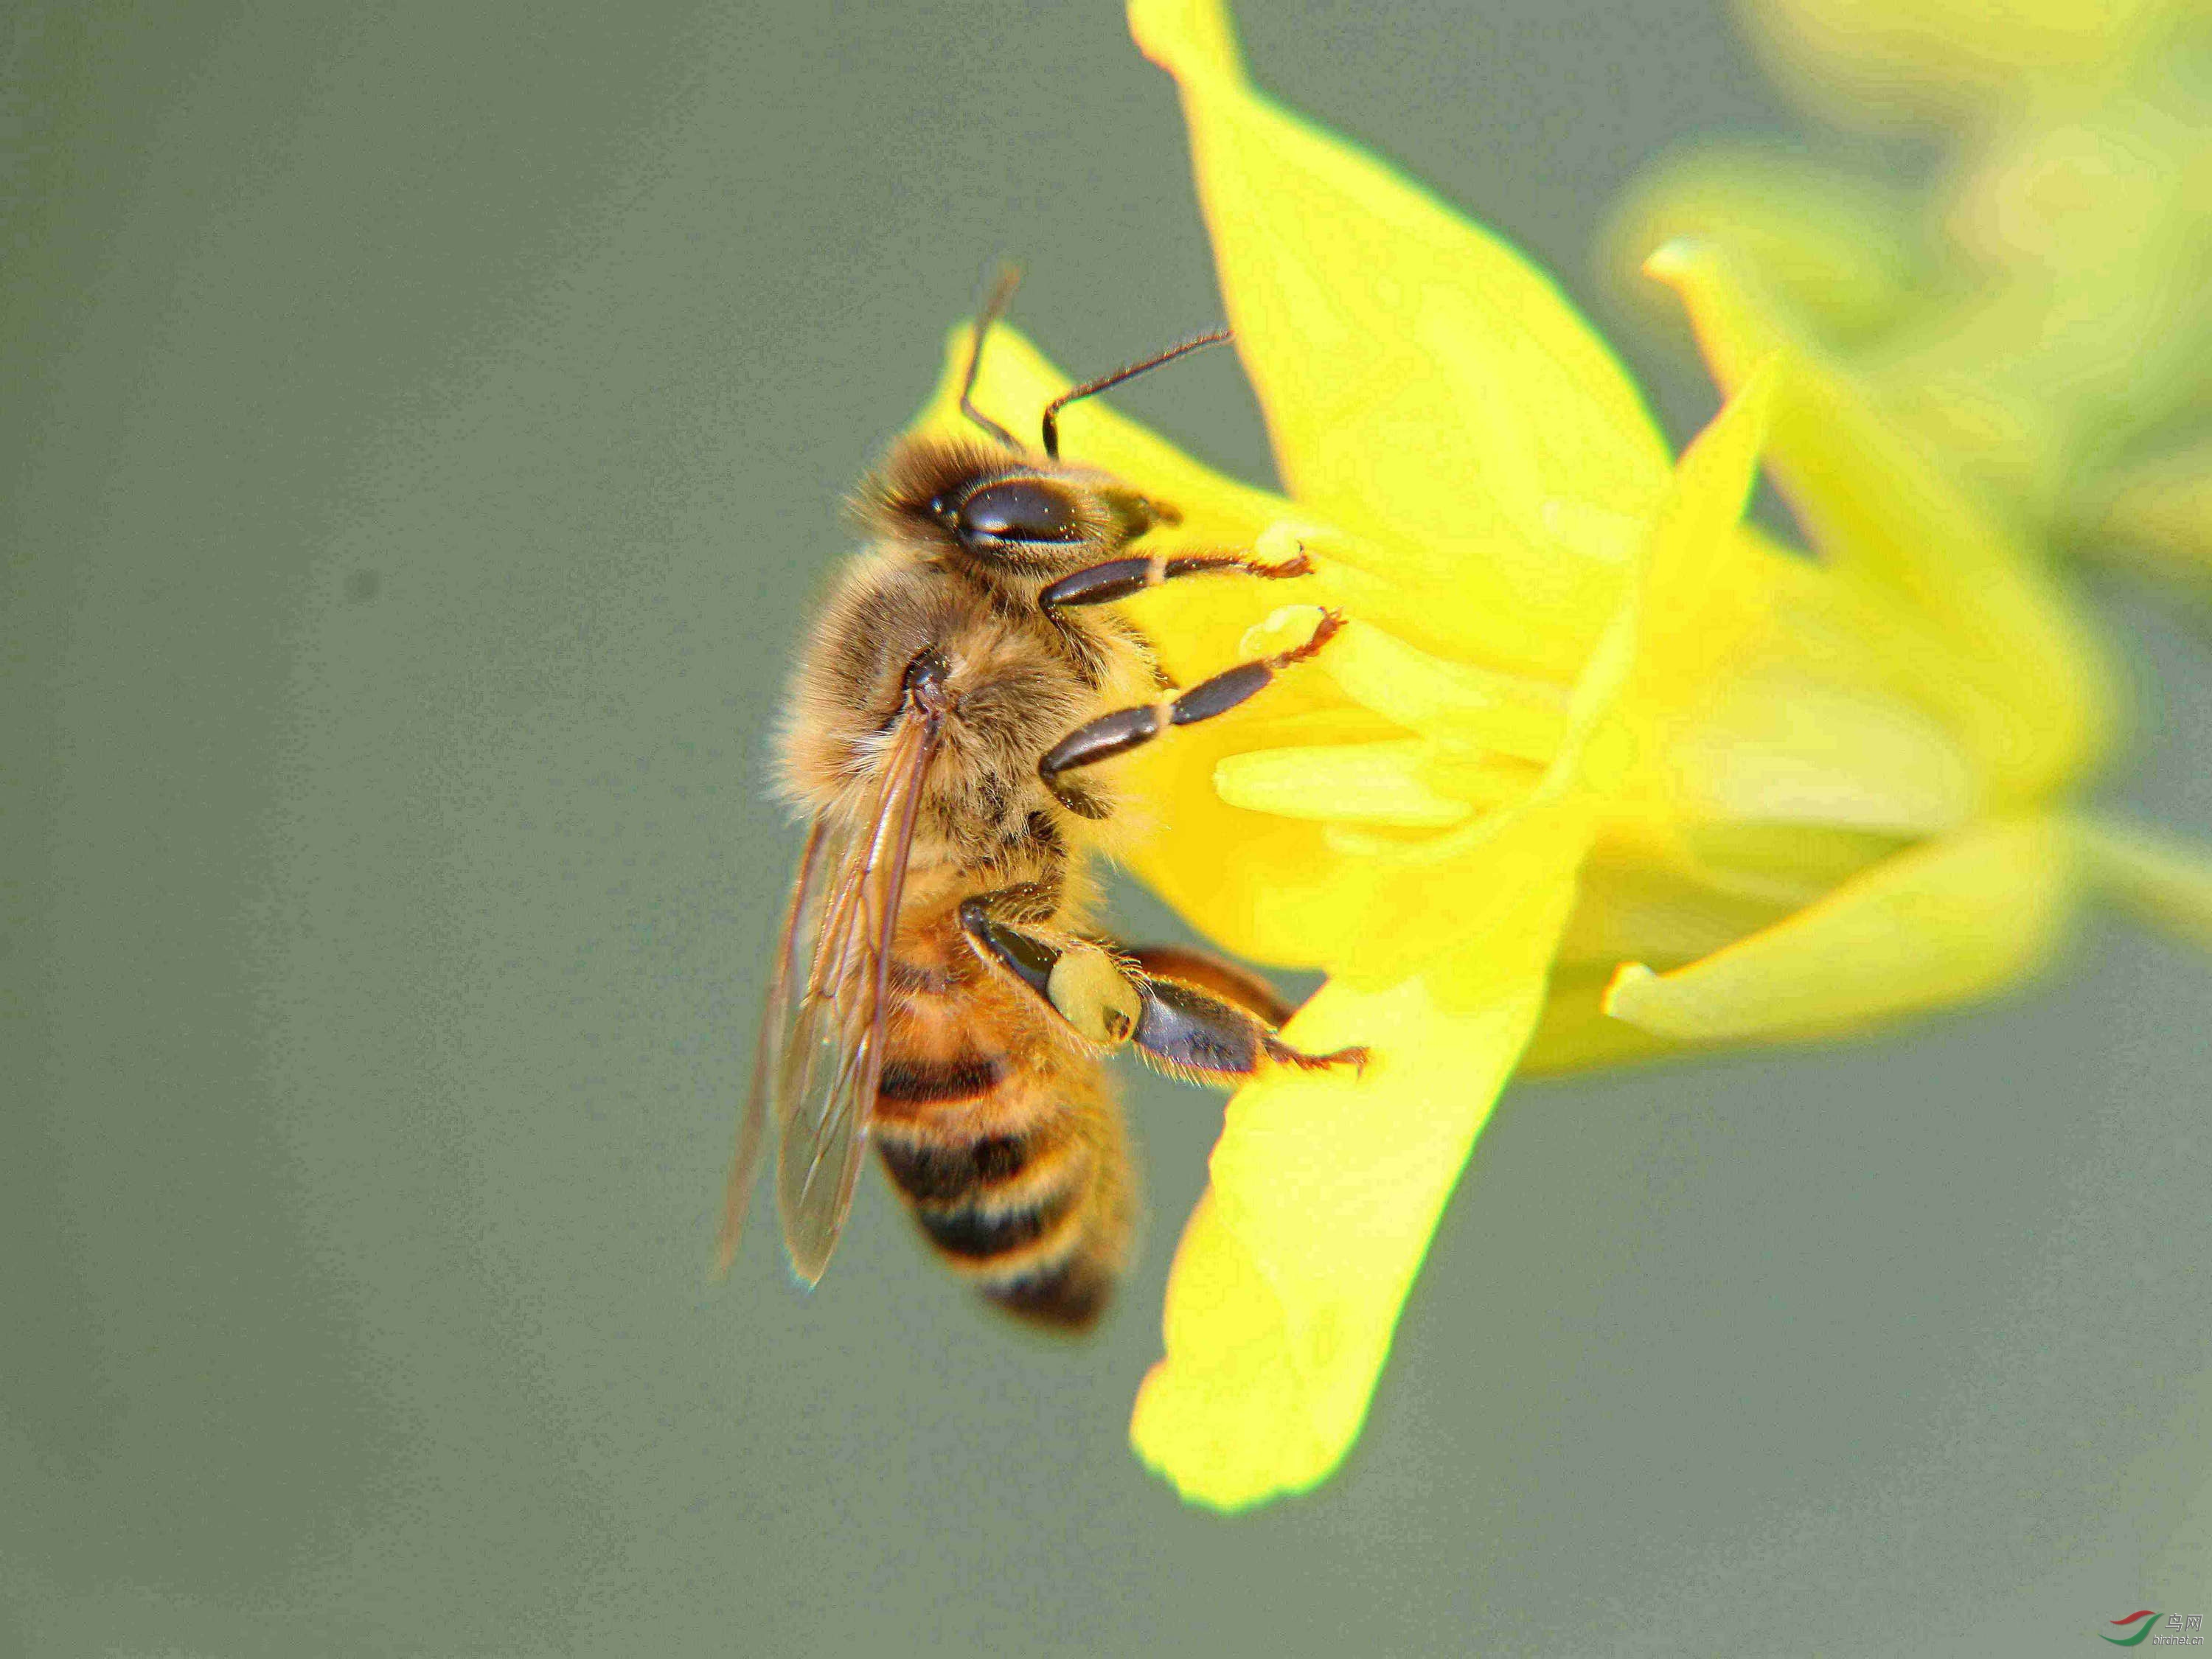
818	1164
802	920
828	1072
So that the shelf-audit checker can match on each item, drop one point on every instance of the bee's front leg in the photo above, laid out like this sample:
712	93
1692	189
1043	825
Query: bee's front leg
1117	579
1125	729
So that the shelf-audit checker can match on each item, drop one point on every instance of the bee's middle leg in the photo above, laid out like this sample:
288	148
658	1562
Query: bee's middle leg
1125	729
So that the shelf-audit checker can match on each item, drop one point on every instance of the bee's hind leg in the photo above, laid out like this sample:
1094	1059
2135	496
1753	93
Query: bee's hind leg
1194	1033
1093	991
1211	972
1114	998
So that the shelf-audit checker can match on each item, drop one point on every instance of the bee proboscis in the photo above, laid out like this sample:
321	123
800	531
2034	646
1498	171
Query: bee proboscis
938	989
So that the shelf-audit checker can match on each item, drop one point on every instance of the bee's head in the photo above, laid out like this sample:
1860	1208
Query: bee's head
1010	512
1005	510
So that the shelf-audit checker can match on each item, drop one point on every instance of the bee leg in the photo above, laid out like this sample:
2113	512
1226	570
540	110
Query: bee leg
1211	973
1117	579
1111	1002
1083	982
1129	728
1193	1034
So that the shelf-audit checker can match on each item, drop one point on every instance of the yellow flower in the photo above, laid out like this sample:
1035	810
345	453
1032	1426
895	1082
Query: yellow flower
2042	320
2156	513
1872	63
1593	771
1877	62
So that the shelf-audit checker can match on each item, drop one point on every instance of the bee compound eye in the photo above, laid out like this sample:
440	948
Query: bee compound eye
1020	510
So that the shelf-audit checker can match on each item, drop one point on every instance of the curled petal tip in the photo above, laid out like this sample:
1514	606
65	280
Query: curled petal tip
1187	38
1628	984
1674	259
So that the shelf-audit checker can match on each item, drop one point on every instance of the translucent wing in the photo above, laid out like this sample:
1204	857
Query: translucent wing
802	920
826	1074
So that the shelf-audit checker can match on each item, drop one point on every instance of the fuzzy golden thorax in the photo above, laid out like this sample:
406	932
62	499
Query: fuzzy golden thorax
1017	677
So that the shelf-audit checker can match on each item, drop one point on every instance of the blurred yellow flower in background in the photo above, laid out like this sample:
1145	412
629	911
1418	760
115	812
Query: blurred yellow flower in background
1595	771
2043	317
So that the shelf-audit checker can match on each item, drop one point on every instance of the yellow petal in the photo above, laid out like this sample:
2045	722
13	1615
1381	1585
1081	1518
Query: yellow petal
1773	743
1788	865
1883	512
1576	1033
1704	588
1627	909
1424	384
1687	589
2157	516
1443	596
1458	704
1837	247
1452	907
2104	192
1948	921
1326	1190
1780	748
1467	876
1867	62
1355	783
2164	880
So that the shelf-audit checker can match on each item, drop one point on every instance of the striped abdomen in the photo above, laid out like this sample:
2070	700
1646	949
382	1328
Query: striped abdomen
1008	1144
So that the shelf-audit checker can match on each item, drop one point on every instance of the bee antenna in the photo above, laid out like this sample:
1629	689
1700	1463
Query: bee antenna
1089	388
1003	284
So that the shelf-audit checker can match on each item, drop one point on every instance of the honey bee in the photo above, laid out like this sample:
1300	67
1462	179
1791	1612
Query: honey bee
938	989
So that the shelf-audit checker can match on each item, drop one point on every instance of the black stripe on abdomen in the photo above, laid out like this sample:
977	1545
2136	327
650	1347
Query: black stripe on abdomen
937	1082
975	1235
939	1171
1070	1294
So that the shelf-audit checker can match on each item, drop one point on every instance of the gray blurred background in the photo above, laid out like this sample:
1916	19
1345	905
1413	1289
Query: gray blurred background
424	428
